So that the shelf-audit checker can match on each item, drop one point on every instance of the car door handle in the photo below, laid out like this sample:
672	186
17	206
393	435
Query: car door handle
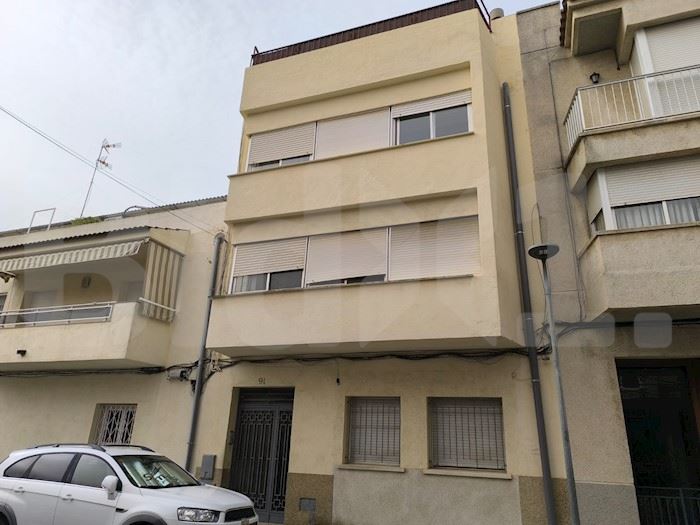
67	497
18	490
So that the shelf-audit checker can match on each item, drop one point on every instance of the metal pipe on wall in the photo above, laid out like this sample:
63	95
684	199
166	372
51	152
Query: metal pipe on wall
526	302
199	384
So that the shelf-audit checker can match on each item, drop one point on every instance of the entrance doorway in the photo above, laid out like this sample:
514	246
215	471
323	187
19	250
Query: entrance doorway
260	458
663	438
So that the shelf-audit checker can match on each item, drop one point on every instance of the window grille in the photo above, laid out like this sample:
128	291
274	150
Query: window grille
115	424
466	433
374	430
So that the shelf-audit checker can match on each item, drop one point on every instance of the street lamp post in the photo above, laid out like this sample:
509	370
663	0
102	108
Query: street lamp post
542	252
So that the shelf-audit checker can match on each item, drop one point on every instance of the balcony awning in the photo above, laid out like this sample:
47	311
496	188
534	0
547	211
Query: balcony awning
95	253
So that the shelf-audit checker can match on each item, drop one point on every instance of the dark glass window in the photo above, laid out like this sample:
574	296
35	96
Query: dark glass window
91	471
19	469
282	280
451	121
366	279
295	160
414	128
50	467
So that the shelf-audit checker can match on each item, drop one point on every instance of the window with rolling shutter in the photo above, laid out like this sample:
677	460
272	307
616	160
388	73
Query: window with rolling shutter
434	249
352	134
647	194
348	255
374	431
674	45
269	265
282	146
466	433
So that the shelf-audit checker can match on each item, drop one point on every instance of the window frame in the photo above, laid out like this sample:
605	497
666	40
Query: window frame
348	442
347	281
433	462
431	114
99	417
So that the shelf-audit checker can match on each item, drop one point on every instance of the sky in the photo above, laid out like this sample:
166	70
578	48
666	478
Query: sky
163	77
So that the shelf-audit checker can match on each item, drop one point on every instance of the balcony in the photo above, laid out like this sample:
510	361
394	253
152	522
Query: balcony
433	314
98	335
638	118
625	272
434	167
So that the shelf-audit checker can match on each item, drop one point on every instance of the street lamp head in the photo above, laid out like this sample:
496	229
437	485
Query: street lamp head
543	251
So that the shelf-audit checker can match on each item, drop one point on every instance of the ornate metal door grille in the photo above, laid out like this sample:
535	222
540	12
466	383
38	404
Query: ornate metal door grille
261	451
116	424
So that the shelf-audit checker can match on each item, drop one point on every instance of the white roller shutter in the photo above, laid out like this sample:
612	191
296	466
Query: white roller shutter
352	134
653	181
270	256
594	202
282	143
432	104
434	249
675	45
346	255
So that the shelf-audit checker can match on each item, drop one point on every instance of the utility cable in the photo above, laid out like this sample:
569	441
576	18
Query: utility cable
152	199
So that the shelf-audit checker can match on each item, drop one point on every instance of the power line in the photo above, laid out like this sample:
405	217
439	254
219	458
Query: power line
81	158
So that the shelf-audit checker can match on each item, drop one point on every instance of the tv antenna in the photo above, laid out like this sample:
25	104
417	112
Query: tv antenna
101	162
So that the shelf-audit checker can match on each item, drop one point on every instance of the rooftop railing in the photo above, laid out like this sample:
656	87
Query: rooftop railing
638	99
54	315
259	57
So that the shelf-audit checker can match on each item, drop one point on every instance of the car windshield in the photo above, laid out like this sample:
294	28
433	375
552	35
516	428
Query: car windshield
154	472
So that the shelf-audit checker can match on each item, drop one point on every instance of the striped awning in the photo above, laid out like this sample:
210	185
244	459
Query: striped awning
96	253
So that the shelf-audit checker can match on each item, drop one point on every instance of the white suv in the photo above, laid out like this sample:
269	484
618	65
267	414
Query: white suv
92	485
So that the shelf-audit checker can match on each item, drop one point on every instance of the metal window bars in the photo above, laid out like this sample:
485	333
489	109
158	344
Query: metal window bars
668	506
637	99
52	315
466	433
116	424
374	431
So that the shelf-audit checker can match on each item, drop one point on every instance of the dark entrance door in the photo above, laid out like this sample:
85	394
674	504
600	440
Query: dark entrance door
664	445
261	450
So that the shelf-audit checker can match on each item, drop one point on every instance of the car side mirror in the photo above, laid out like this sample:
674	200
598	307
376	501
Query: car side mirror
111	484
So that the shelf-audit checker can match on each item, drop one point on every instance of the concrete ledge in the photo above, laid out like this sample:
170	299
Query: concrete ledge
467	473
372	468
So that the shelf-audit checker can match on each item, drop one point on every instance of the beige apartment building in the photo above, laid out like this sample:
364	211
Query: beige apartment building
613	98
367	356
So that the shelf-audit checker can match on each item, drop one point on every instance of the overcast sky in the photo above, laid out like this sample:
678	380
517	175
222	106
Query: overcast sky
161	76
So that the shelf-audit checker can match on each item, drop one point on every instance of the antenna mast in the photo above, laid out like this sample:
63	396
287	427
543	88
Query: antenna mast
101	161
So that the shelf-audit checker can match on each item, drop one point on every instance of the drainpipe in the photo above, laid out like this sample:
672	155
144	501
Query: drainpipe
526	302
201	365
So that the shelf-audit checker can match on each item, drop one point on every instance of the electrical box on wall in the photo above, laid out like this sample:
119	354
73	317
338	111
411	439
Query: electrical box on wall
208	467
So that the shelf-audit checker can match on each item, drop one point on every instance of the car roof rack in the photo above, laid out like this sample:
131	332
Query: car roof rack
132	446
58	445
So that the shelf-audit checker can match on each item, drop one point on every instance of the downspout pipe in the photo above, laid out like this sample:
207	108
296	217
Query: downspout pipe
526	303
201	362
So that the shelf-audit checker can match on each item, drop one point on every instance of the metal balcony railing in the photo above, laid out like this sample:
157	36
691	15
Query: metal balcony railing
53	315
668	506
637	99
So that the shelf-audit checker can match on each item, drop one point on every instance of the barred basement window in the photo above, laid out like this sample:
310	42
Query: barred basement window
115	424
466	433
374	430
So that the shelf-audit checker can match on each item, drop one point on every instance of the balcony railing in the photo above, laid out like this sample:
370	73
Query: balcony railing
53	315
636	99
668	506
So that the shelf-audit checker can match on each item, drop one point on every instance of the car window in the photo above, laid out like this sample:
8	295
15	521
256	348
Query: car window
90	471
19	469
50	467
154	472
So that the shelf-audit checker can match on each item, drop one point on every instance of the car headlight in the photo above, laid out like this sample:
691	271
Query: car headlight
198	515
